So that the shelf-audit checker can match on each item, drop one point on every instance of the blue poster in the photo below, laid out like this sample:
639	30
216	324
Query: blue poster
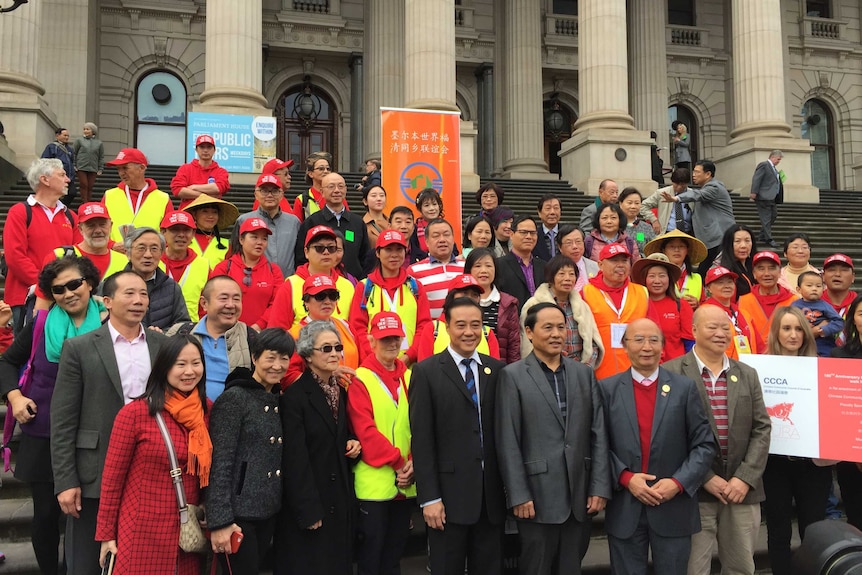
243	143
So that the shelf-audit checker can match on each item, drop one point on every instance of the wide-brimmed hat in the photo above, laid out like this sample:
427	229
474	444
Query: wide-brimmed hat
227	212
641	266
696	248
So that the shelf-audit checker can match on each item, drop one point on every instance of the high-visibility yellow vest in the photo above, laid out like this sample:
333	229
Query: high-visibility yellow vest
345	296
150	214
375	302
393	422
441	338
192	283
213	254
692	286
116	264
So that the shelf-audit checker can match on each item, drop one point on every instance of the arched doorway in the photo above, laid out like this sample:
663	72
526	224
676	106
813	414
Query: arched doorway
817	129
160	118
558	122
678	113
307	121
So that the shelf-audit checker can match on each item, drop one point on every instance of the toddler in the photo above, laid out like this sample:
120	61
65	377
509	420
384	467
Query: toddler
824	320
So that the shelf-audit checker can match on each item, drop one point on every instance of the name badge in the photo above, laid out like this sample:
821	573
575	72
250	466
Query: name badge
741	344
617	332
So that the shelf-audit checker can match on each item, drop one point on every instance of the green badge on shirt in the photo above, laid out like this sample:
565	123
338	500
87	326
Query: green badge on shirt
639	236
349	236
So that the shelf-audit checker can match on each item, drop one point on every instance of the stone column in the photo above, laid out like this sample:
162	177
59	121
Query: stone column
356	81
605	143
429	54
384	67
485	155
234	61
648	67
523	145
759	110
28	121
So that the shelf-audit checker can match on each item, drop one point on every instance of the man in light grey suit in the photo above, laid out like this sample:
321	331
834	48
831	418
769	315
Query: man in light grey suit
765	186
99	372
713	210
661	449
552	447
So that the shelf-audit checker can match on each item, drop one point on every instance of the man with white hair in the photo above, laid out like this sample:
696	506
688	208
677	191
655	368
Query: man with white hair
33	229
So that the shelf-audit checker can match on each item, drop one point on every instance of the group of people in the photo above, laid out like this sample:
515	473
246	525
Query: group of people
318	373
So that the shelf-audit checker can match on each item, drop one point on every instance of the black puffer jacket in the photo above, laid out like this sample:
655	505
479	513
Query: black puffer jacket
245	427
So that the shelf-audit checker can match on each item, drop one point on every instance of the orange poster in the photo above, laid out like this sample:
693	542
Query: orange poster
421	149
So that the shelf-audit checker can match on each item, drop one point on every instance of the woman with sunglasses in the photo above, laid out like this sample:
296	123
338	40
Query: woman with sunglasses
71	282
315	525
258	278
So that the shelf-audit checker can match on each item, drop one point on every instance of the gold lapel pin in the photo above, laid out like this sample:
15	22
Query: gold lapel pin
665	388
487	371
733	378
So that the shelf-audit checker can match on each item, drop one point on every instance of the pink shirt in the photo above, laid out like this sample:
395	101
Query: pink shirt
133	360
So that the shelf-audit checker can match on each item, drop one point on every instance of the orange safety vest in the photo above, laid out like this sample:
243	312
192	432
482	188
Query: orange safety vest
636	305
758	323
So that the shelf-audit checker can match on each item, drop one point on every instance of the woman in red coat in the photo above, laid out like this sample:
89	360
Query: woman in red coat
138	519
672	314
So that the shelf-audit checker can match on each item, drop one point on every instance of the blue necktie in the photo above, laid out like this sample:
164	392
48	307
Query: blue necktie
470	381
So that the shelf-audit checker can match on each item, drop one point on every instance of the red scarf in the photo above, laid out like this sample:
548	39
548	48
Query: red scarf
176	268
615	293
391	285
770	301
392	379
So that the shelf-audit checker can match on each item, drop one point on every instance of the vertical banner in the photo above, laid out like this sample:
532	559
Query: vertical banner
243	143
421	149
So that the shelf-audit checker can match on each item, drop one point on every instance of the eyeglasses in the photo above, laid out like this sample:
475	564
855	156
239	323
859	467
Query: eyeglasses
69	285
326	295
329	248
328	348
270	192
145	249
246	280
527	232
640	340
321	169
335	187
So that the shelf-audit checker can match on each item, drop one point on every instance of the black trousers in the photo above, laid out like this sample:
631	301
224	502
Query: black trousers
850	482
45	529
548	549
81	547
256	539
479	544
631	556
384	527
785	481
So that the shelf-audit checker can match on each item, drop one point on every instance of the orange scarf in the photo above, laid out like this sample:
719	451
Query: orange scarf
189	412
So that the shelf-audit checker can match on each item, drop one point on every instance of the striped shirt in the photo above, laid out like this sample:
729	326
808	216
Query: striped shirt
716	390
435	277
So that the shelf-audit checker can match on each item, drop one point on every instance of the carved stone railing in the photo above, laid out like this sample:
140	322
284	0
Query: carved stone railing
823	28
561	25
463	16
687	36
311	6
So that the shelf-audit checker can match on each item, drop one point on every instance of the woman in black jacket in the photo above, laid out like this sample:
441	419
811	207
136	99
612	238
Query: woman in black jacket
315	526
245	482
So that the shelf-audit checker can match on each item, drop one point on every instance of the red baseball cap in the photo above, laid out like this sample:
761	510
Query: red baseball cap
766	255
462	282
391	237
275	164
128	156
91	211
178	219
318	231
254	225
833	259
612	250
318	283
386	324
204	139
718	272
269	179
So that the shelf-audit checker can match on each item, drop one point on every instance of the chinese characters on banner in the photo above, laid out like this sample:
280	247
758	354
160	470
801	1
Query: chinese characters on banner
815	405
243	143
421	149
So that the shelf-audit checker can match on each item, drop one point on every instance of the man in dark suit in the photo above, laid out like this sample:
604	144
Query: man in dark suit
553	448
452	411
661	449
99	372
765	187
549	210
733	487
520	272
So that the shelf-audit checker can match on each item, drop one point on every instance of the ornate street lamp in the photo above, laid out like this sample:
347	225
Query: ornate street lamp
555	121
307	105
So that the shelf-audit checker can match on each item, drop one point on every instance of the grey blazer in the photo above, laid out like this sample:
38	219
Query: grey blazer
750	427
87	396
765	183
556	464
682	447
713	213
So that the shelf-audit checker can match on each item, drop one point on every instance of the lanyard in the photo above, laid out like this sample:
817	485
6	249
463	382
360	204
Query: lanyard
682	287
137	207
611	305
393	307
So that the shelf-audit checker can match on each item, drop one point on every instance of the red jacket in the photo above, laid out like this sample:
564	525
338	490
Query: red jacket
508	330
26	247
193	173
138	506
257	298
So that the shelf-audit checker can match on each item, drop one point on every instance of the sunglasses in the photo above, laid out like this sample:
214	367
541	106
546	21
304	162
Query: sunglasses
326	295
70	285
330	248
246	279
328	348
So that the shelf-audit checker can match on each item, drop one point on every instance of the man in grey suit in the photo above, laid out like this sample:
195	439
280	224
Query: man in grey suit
552	447
765	186
712	210
99	372
733	488
661	449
